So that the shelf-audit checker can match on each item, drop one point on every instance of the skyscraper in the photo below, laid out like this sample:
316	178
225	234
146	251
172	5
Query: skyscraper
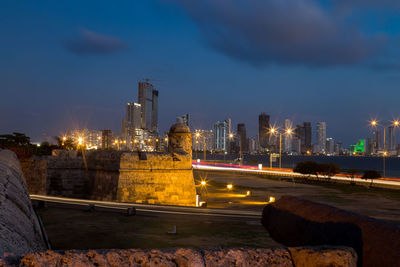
133	115
241	131
321	137
301	136
206	136
377	140
220	136
229	125
106	139
154	112
287	138
263	128
303	132
392	139
307	136
330	146
148	99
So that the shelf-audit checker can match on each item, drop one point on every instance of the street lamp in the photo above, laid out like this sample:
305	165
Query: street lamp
275	131
231	136
197	135
374	123
204	144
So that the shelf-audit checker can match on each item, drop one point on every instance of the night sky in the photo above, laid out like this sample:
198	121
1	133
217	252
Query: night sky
74	64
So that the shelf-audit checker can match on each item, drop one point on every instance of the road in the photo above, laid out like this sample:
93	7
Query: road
147	208
384	182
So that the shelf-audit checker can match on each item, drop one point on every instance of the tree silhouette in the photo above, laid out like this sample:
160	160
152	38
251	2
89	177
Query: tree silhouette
371	174
307	168
329	169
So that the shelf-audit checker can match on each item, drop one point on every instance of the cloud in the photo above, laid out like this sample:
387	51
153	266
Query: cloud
368	3
89	42
387	66
282	31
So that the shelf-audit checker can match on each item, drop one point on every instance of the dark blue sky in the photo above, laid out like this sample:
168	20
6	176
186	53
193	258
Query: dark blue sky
68	64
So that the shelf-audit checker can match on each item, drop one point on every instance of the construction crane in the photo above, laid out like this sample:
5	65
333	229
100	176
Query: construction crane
148	80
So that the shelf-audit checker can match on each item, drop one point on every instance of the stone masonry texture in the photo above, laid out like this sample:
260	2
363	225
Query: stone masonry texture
293	221
115	176
138	177
19	228
274	257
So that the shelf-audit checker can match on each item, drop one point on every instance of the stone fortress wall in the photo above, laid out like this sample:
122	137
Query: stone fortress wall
20	230
138	177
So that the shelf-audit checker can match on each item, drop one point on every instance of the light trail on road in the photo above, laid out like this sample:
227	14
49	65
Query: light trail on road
287	173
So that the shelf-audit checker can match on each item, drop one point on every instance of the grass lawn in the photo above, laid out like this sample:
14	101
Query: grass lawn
76	229
375	202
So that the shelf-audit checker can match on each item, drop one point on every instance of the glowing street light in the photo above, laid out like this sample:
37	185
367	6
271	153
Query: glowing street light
198	135
229	186
274	131
374	123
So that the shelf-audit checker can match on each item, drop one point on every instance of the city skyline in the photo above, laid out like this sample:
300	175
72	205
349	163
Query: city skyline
78	69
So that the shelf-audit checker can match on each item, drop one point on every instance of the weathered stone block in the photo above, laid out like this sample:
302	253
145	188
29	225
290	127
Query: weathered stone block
297	222
19	229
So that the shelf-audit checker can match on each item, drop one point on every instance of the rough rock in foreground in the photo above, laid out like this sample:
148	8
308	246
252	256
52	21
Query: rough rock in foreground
293	221
317	256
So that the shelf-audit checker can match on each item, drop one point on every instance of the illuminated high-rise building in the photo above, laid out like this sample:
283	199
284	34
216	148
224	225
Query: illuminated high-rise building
330	146
391	139
321	137
339	148
205	140
377	136
287	138
106	139
229	125
148	100
133	116
154	112
303	132
220	136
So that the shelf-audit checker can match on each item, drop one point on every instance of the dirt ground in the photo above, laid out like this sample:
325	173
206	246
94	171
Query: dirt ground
377	203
